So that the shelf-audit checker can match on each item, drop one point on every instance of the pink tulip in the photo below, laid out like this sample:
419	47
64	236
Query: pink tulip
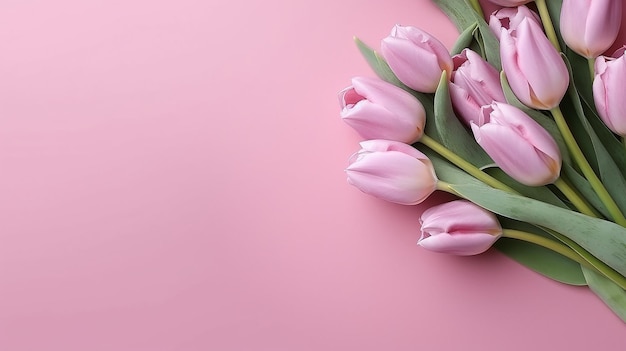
417	58
510	18
380	110
517	144
392	171
458	228
608	92
590	27
535	70
474	83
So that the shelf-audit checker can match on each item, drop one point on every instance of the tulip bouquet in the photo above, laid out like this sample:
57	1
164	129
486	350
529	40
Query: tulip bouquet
524	121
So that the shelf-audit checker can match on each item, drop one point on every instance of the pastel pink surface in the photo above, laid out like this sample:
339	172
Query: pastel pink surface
172	179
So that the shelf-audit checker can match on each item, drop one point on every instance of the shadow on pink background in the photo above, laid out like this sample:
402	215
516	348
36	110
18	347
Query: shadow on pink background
172	179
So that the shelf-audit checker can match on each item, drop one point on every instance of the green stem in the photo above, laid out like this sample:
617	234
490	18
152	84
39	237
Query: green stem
575	198
547	243
588	172
592	68
547	23
476	5
464	165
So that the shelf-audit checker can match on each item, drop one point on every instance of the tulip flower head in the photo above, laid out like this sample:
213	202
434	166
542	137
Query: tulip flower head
458	228
474	83
380	110
590	27
517	144
608	92
417	58
535	70
392	171
510	18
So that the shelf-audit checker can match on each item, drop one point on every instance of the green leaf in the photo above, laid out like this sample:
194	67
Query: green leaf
541	193
603	239
452	134
541	260
464	40
612	295
585	189
546	122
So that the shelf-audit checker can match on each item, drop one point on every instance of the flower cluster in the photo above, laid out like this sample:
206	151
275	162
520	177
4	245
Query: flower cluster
521	122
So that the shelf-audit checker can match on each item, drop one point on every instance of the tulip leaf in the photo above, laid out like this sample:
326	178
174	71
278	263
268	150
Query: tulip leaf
585	189
461	13
451	132
612	295
541	260
546	122
541	193
465	39
609	172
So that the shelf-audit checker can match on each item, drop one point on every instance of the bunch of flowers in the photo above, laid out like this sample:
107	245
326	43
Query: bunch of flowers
524	121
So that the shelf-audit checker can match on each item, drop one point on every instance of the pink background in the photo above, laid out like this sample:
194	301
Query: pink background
171	178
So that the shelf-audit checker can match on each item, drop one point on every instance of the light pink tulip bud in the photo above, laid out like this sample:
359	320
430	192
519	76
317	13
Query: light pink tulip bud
535	70
417	58
380	110
510	18
590	27
474	83
609	85
510	3
458	228
517	144
392	171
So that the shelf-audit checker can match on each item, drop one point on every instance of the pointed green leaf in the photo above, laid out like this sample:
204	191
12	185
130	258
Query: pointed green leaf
612	295
464	40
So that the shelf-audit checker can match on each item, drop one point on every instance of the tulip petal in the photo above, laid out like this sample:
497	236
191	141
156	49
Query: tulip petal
392	176
464	244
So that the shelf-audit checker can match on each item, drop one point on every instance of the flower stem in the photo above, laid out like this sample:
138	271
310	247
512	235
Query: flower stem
547	23
575	198
464	165
592	68
476	5
588	172
547	243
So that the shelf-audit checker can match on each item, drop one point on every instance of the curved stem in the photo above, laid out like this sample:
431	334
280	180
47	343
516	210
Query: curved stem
575	198
547	243
588	172
464	165
547	23
476	6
